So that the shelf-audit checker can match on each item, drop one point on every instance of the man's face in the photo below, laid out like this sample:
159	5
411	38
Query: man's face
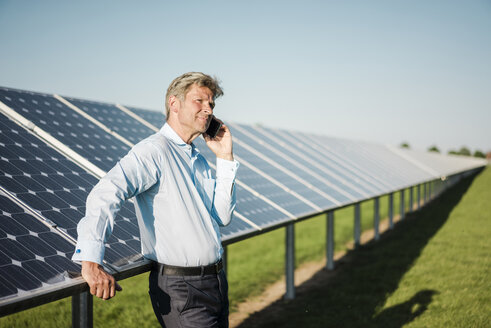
196	110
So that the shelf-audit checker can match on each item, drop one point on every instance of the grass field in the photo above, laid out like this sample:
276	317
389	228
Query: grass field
433	270
257	262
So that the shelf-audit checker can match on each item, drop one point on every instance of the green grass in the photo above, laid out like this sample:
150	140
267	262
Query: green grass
433	270
253	264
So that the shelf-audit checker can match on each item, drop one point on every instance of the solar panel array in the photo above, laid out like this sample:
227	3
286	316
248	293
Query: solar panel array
53	150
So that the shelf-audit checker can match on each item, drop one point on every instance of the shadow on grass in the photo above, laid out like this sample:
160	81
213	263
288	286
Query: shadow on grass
353	294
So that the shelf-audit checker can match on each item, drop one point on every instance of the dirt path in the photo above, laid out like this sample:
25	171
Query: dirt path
302	274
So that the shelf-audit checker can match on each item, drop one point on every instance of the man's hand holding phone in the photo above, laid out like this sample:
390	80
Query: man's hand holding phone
214	127
221	143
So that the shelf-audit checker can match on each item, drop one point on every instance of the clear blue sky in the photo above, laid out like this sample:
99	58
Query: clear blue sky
381	71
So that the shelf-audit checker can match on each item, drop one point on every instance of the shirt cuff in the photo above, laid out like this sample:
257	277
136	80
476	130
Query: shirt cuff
91	251
226	169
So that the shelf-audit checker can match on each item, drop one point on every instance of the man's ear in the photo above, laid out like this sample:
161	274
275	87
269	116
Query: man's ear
174	104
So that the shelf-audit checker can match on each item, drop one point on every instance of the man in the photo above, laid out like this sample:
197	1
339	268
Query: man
179	207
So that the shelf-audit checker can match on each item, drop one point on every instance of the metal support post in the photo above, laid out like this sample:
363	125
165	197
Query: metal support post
376	218
330	240
391	211
419	196
290	262
402	205
425	193
357	225
411	200
82	310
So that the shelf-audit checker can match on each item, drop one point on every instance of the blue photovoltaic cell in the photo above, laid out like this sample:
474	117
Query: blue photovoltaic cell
48	182
32	255
114	118
64	124
299	167
156	118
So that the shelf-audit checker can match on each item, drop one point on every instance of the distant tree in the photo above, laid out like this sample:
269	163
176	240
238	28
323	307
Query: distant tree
434	149
464	151
453	152
405	145
479	154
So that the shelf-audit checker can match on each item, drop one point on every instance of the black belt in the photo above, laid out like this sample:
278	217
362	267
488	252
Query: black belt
190	271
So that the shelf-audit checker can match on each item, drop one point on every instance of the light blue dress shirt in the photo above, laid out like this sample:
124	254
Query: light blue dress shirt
179	206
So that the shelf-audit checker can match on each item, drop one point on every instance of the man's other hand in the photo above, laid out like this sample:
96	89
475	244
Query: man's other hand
101	283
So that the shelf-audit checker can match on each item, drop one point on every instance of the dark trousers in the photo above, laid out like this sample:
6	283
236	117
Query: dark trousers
189	301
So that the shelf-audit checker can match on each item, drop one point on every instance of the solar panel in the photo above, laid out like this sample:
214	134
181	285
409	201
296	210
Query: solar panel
330	175
438	164
327	185
324	146
64	124
374	158
409	173
264	187
329	162
156	118
235	230
114	118
251	206
48	182
33	256
310	197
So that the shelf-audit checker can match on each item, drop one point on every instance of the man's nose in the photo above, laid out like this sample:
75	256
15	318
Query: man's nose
207	108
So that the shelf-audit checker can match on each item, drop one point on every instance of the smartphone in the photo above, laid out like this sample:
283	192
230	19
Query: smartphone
214	127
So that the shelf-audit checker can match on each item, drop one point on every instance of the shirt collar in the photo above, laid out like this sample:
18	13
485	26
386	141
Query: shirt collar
172	135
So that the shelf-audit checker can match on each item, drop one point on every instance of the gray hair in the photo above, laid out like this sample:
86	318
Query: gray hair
180	86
